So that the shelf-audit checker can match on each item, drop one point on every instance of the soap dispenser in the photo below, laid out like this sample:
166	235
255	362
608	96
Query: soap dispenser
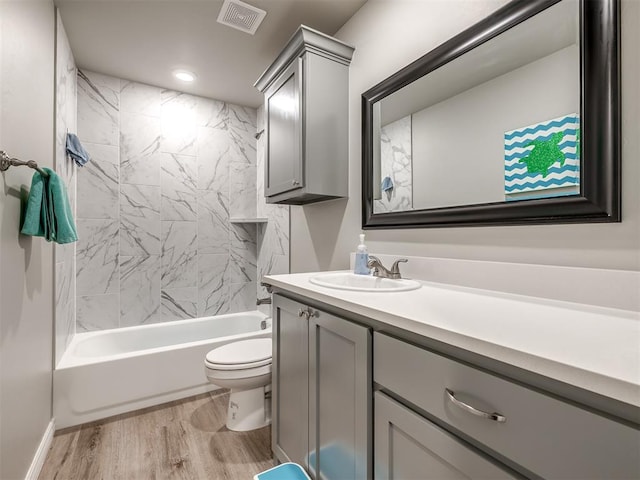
362	257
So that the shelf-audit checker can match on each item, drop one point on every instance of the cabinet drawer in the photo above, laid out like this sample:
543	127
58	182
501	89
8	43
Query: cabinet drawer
409	446
544	435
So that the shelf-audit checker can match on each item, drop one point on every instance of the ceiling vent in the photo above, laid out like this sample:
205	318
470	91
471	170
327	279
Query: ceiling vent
241	16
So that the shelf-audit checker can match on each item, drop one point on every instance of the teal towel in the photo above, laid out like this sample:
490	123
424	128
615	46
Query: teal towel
48	211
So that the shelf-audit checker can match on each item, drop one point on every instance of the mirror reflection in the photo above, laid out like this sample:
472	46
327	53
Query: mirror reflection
498	124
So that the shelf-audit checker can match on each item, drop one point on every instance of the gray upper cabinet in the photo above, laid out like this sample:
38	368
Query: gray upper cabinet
283	101
306	112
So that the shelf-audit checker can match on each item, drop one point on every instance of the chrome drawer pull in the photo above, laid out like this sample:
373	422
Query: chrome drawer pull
491	416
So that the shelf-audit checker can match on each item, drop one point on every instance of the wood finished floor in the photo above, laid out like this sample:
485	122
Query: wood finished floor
186	439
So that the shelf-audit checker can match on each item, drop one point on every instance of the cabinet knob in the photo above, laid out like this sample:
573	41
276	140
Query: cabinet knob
308	312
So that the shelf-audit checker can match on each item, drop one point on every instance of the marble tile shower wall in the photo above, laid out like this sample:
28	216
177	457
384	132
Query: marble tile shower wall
273	236
396	159
154	205
65	281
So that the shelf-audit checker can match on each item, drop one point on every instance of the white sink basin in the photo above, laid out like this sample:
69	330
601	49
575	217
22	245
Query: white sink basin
363	283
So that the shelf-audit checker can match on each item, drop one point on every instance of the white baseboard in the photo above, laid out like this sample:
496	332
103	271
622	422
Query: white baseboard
41	454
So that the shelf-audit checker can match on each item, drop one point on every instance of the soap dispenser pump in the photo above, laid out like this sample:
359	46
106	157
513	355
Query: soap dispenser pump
362	257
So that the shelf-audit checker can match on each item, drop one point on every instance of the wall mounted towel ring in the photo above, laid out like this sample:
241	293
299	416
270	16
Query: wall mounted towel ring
6	161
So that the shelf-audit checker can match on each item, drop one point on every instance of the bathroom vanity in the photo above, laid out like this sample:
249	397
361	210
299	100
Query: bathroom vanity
306	110
448	381
322	390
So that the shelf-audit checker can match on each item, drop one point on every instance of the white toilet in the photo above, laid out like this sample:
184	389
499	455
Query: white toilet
245	368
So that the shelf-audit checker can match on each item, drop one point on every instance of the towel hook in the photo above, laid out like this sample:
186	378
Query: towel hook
6	161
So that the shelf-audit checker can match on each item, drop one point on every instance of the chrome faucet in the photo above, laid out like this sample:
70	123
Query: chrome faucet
263	301
381	271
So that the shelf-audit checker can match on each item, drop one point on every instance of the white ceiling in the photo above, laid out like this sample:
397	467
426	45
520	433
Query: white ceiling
145	40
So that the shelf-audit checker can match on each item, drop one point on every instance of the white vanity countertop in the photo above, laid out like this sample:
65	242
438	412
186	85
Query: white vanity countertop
594	348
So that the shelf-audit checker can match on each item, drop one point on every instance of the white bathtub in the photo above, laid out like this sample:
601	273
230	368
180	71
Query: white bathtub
115	371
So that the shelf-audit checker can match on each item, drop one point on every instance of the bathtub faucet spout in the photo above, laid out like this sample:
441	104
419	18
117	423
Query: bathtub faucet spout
264	301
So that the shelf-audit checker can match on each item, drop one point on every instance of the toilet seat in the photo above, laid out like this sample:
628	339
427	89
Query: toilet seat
242	355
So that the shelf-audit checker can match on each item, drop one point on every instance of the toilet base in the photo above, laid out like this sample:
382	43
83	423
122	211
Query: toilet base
247	410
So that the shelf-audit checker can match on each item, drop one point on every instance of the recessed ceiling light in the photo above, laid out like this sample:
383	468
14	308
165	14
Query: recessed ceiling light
184	75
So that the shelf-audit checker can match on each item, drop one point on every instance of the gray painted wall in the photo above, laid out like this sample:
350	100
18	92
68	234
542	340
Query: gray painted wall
26	276
389	34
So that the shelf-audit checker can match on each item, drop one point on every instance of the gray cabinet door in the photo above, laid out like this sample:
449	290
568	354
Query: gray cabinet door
283	102
339	398
290	380
409	447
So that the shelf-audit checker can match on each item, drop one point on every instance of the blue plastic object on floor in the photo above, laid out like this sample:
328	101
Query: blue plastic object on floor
284	471
334	461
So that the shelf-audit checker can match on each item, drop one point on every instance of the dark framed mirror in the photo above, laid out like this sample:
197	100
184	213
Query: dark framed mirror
514	121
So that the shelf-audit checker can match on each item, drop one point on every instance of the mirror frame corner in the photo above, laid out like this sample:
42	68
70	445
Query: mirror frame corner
600	105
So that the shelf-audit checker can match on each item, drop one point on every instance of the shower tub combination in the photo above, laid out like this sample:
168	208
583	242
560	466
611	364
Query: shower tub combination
116	371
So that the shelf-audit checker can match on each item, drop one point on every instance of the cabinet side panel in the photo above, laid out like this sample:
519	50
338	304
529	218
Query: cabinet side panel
326	128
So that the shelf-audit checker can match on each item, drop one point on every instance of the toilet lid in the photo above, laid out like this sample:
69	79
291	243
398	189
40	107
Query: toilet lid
244	354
